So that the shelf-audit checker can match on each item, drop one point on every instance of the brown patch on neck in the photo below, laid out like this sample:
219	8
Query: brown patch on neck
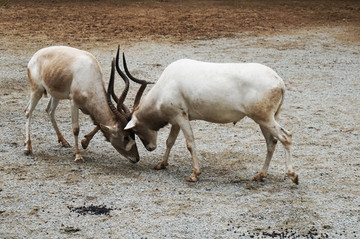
98	109
157	125
152	119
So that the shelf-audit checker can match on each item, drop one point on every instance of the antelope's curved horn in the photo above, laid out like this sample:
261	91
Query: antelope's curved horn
138	95
119	116
142	82
132	77
120	101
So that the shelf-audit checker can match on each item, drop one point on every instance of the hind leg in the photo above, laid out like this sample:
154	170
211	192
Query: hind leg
34	99
270	145
284	137
286	142
50	110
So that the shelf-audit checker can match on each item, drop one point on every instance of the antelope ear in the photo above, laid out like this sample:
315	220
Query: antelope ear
131	124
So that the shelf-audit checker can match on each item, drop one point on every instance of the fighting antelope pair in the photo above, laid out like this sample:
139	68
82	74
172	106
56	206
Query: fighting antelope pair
186	90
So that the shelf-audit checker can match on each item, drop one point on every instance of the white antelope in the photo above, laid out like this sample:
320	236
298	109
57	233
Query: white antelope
215	92
68	73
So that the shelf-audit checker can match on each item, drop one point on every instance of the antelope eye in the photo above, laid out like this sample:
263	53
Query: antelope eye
126	139
132	135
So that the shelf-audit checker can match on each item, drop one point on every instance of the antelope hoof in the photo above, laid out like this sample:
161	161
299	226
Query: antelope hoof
64	143
79	158
84	143
192	179
27	151
295	179
161	165
28	148
293	176
259	177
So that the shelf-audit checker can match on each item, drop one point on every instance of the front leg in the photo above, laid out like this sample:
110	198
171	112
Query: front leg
190	144
85	142
78	156
174	132
76	130
270	145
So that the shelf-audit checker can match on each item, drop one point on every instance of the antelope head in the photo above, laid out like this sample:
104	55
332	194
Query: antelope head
122	140
138	96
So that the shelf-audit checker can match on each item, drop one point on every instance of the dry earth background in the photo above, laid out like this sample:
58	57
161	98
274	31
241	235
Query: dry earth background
313	45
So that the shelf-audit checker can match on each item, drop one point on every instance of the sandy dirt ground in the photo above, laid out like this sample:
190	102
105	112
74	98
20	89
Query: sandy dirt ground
313	45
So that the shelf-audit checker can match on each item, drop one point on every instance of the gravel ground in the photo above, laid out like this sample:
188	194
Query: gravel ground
48	195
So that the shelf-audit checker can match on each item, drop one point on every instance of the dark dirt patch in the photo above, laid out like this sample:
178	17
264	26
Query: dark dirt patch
285	233
91	210
108	21
70	230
